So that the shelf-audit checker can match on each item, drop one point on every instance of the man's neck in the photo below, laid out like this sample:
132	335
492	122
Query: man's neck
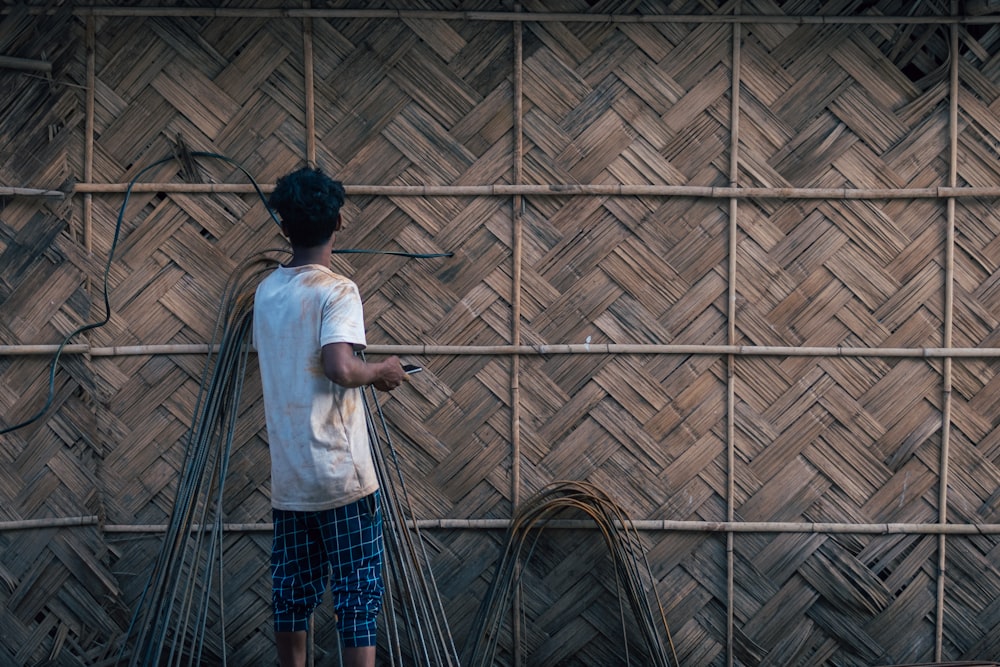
319	254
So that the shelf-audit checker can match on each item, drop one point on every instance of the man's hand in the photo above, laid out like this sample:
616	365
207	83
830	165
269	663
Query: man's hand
390	374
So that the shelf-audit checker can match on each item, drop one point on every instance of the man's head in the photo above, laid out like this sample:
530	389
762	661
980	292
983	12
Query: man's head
308	202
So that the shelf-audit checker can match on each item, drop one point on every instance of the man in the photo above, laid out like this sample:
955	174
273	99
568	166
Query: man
308	324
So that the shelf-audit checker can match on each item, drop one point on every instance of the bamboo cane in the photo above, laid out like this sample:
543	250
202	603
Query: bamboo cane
27	64
648	525
6	191
949	296
88	146
734	143
187	188
750	527
310	109
516	252
30	350
162	527
517	221
112	351
94	413
741	350
546	350
564	190
500	16
309	84
35	524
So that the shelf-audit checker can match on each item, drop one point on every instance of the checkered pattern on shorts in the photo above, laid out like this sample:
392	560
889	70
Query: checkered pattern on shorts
343	544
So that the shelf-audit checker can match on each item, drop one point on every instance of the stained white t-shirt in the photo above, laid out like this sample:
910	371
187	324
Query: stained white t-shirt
316	429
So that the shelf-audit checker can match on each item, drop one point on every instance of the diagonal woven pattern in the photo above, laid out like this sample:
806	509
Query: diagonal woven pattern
430	101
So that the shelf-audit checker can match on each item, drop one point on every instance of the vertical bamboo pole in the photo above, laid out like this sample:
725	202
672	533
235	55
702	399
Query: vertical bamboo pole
308	83
734	139
310	108
97	443
88	146
517	231
949	301
515	312
311	646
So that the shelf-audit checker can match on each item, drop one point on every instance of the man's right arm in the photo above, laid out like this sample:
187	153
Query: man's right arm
343	367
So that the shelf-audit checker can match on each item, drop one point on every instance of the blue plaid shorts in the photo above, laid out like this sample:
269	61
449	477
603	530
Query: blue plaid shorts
343	545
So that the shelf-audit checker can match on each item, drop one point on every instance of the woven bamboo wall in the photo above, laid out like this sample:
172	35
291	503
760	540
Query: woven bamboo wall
803	382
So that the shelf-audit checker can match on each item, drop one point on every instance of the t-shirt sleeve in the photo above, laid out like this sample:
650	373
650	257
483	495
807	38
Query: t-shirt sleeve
343	317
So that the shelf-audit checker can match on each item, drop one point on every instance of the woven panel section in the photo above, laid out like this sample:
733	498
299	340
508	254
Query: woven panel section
58	593
430	102
839	440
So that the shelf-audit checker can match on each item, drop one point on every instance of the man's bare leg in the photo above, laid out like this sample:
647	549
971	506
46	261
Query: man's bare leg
359	656
291	648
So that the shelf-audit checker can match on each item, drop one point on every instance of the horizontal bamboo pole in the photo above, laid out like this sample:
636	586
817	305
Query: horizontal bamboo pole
35	524
544	350
27	64
114	351
656	525
6	191
186	188
649	525
162	528
508	17
563	190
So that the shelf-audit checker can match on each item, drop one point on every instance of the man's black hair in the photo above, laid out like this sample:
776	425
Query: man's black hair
308	202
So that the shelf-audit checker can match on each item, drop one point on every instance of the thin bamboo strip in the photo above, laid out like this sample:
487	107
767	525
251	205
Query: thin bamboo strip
563	190
545	350
650	525
454	15
27	64
734	143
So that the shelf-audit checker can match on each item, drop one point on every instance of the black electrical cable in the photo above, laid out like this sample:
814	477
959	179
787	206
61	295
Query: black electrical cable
111	253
